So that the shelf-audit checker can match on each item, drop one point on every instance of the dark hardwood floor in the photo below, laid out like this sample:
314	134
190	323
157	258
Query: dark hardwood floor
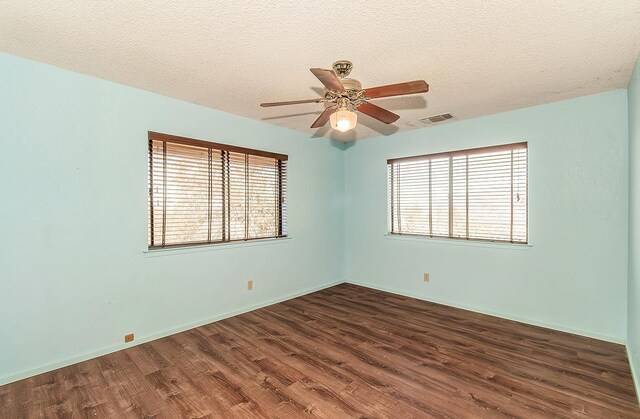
346	351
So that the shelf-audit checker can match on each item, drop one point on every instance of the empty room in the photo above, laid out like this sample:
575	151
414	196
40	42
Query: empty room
292	209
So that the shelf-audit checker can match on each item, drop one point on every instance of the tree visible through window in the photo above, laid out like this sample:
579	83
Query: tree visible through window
203	193
469	194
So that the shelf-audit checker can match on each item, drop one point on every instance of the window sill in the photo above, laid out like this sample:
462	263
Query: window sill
459	242
212	247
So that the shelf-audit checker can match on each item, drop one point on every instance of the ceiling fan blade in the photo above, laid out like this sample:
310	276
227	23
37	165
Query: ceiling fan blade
408	88
323	118
328	78
378	113
291	102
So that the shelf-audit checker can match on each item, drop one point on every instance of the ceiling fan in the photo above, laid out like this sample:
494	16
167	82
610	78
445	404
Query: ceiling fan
344	95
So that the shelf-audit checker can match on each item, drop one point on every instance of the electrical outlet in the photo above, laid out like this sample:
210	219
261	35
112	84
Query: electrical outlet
250	284
426	277
128	338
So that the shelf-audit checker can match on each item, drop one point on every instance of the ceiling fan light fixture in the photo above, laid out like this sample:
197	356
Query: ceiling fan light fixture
343	120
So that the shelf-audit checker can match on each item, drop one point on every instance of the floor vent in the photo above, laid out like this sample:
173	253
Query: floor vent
436	118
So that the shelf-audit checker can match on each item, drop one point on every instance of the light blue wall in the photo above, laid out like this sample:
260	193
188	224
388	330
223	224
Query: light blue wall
573	278
73	220
633	332
73	224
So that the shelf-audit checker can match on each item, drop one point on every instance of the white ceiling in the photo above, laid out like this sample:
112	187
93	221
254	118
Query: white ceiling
479	57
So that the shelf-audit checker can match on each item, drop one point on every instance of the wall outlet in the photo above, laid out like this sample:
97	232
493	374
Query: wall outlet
128	338
426	277
250	284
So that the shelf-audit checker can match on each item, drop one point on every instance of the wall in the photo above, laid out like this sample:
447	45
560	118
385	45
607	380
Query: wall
74	277
633	332
574	276
73	220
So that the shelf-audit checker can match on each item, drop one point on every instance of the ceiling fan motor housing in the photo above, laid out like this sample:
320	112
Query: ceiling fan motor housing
352	93
351	84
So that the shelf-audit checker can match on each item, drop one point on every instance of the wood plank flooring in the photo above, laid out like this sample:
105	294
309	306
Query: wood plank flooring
343	352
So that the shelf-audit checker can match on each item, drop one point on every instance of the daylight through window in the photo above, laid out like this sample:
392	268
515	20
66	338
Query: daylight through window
203	193
478	194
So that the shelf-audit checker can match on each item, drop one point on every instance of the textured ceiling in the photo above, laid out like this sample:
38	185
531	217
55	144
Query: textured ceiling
479	57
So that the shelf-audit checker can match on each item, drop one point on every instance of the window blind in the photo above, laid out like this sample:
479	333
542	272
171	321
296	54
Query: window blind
478	194
203	193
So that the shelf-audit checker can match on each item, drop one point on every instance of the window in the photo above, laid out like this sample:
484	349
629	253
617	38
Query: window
203	193
478	194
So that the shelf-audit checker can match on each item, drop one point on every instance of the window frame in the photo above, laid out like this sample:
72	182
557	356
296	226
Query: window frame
281	193
451	155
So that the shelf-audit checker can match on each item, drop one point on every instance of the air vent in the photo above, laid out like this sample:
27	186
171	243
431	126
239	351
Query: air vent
436	118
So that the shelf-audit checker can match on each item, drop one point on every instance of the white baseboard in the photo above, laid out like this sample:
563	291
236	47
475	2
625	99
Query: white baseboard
114	348
559	328
635	374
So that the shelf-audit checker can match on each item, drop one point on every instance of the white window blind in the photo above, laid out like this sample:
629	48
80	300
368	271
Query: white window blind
477	194
203	193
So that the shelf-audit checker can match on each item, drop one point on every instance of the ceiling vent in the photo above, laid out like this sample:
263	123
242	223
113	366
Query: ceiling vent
436	118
